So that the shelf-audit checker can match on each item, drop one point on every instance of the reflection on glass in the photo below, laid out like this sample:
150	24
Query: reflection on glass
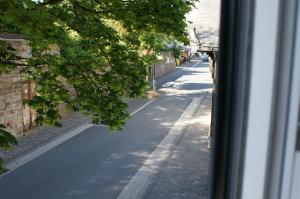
298	133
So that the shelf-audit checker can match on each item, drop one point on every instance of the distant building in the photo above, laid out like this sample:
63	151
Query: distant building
204	29
204	25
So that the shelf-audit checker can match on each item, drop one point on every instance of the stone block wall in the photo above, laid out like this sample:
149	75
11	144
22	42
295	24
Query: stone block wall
165	64
22	48
16	117
11	114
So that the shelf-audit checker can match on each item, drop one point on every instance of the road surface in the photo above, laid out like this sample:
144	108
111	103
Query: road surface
97	163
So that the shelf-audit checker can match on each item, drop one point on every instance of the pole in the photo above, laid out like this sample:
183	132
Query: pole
153	77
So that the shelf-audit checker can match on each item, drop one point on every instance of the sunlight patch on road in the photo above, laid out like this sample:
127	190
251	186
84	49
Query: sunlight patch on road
177	92
198	80
142	179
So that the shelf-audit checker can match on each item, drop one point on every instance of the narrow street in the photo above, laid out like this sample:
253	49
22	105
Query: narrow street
99	164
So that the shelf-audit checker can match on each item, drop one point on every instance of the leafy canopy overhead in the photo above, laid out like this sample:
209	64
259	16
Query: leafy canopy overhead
100	59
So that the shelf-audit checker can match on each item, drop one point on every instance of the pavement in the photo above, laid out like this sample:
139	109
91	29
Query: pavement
165	141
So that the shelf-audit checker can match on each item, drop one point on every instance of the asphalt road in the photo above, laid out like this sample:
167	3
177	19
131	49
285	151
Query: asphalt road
97	163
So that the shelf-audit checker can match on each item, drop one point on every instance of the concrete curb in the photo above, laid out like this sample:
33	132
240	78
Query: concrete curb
142	179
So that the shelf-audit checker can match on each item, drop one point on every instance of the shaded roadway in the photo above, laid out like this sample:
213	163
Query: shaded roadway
98	163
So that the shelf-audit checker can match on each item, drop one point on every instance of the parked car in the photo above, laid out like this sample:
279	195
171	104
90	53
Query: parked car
204	58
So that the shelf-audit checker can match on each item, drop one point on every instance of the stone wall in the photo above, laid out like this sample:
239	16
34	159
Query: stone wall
11	88
18	118
22	48
11	113
165	64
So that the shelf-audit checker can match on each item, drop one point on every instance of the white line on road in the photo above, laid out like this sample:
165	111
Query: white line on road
167	84
142	179
132	113
196	64
172	84
43	149
142	107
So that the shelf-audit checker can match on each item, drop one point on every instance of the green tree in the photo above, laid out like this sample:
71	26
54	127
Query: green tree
100	59
153	44
6	141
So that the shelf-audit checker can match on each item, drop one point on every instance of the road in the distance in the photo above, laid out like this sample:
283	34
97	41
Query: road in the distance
97	164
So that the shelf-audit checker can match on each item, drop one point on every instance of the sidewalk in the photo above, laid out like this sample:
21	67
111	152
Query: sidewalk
185	172
41	135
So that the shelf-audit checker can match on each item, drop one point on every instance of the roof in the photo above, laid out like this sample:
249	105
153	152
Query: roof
205	20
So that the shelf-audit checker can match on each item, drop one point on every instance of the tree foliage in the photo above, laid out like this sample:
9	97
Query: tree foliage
6	141
100	59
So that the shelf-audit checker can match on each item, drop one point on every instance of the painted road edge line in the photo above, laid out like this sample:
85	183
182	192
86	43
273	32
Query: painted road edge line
142	179
196	64
52	144
132	113
142	107
43	149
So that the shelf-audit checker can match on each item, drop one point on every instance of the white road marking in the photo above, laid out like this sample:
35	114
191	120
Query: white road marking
142	107
43	149
167	84
172	84
196	64
142	179
131	114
